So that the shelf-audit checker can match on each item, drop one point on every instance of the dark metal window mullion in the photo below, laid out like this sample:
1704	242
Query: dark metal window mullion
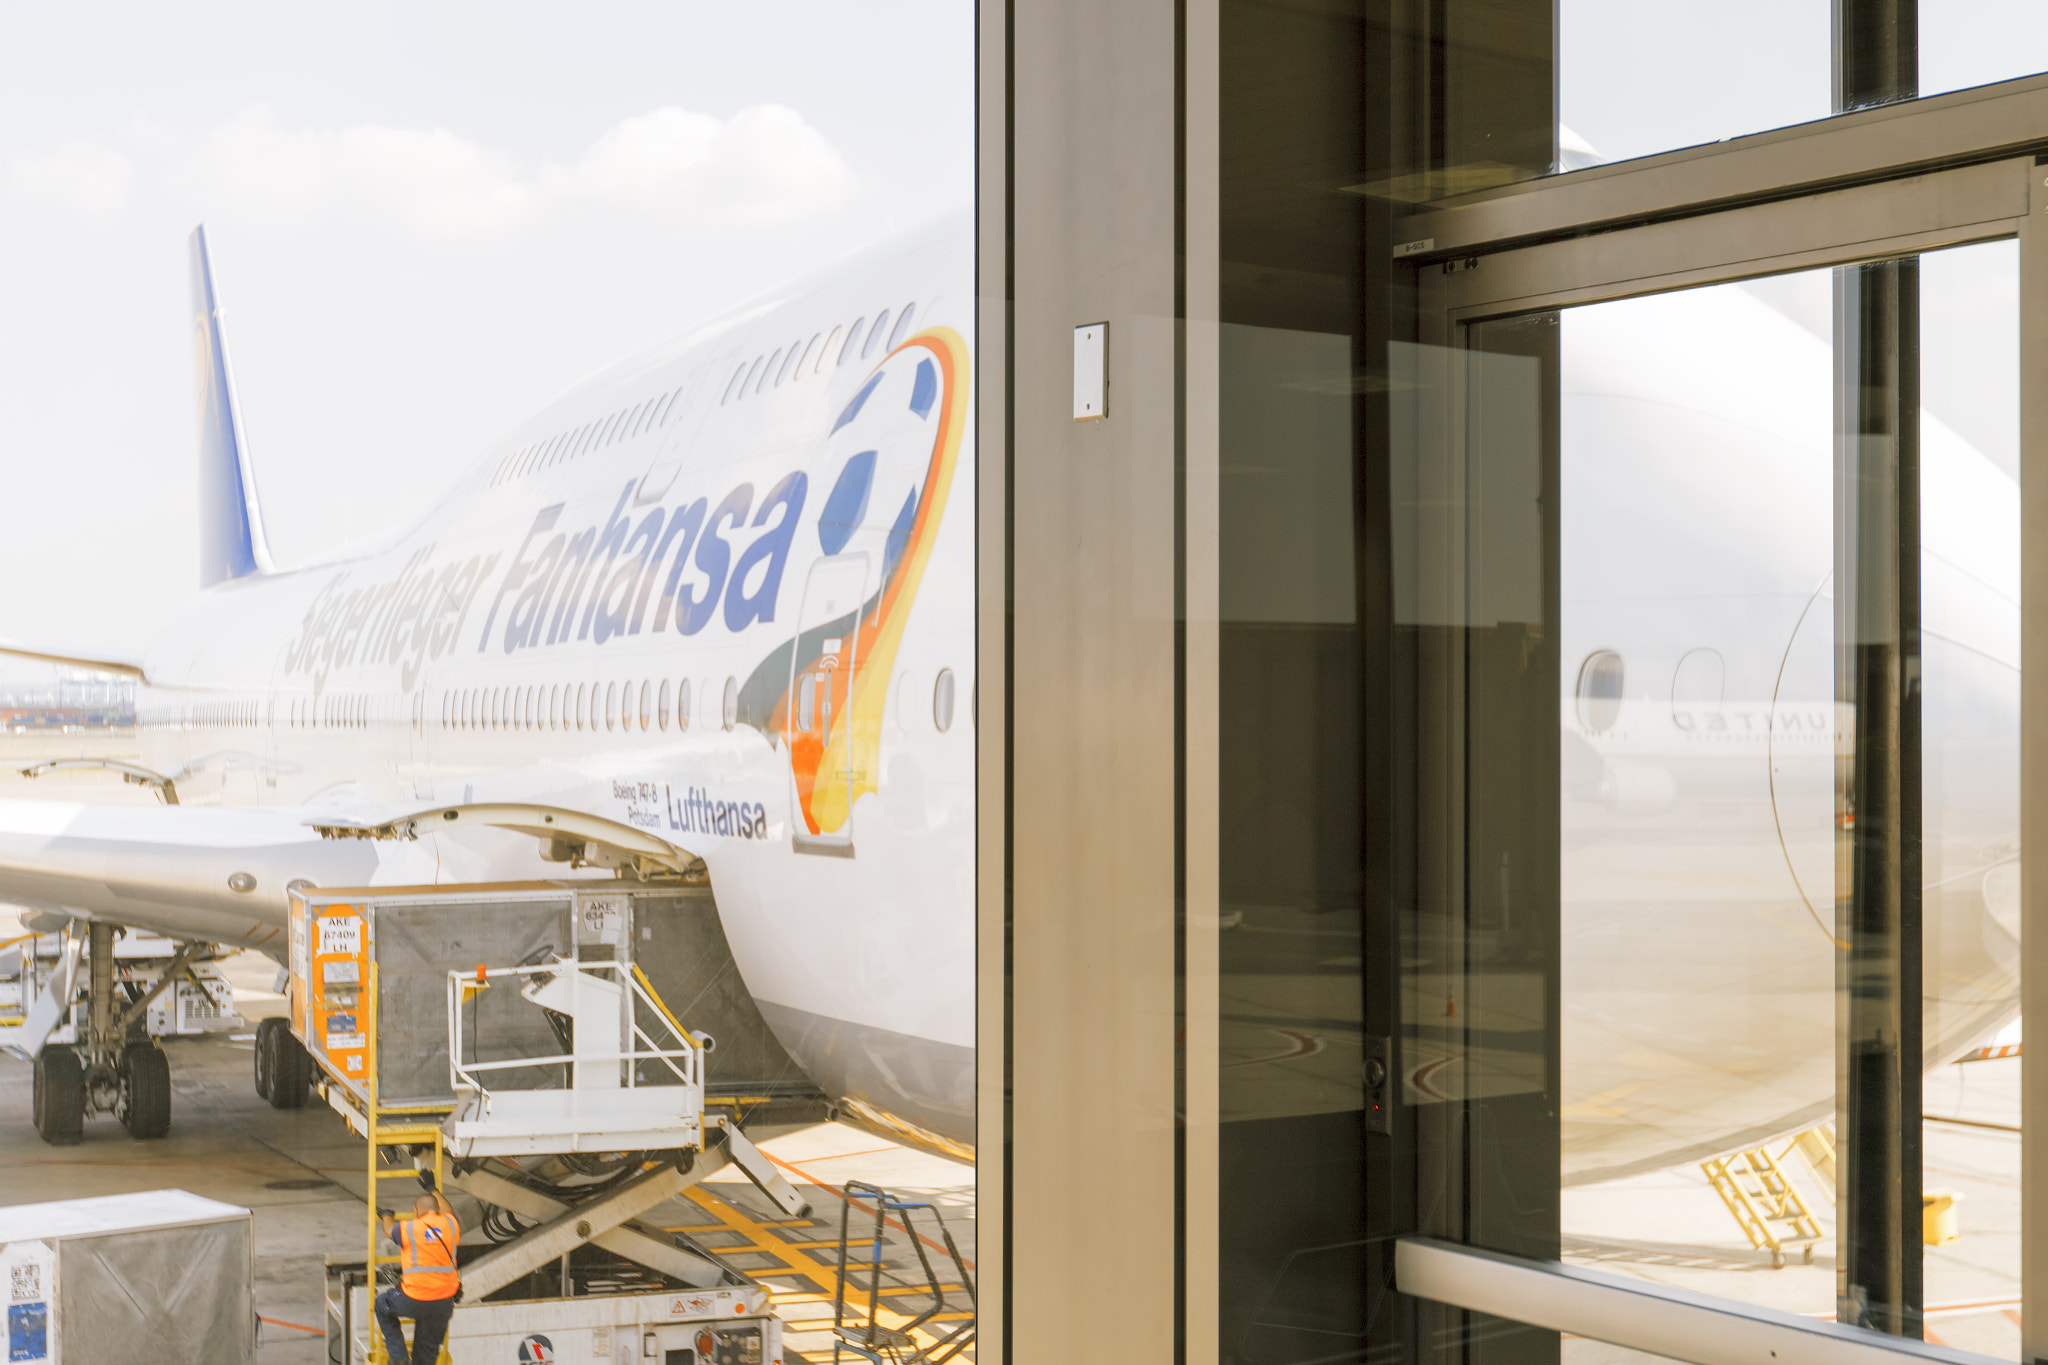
1877	682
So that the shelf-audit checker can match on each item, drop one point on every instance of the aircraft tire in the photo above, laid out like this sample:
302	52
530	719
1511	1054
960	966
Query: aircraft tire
290	1071
60	1088
145	1103
266	1054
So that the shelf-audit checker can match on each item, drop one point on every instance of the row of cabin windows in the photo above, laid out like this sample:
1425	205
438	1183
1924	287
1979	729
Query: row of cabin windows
765	371
336	710
793	361
333	711
223	715
622	425
645	705
582	706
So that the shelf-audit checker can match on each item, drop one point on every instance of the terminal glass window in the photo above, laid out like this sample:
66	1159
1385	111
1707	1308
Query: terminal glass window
1515	89
1965	43
1721	989
1625	90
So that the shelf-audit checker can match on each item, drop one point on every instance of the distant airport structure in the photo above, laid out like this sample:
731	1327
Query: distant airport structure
75	698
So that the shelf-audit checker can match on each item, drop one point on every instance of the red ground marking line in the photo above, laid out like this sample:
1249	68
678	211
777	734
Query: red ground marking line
2006	1306
296	1327
841	1192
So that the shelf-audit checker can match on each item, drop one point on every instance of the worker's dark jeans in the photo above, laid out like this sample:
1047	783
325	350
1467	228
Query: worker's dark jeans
429	1325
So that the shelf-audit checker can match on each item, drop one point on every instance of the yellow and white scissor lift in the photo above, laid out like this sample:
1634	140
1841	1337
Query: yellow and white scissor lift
505	1037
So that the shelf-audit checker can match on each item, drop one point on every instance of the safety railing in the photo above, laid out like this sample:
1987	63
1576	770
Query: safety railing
685	1060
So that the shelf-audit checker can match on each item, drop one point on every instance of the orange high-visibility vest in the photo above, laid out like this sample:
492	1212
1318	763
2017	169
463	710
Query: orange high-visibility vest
428	1242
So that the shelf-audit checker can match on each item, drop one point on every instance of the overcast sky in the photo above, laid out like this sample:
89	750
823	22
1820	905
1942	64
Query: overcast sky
427	220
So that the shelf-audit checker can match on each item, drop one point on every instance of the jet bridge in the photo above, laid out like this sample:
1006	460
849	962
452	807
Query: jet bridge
518	1041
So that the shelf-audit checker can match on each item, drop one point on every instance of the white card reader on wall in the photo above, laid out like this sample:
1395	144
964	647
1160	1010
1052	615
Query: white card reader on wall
1091	372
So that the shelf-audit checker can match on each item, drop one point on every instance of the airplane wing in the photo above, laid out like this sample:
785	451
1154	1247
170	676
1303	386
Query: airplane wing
211	872
127	665
224	873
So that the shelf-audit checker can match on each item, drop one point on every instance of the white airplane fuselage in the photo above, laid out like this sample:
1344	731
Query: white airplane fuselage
721	593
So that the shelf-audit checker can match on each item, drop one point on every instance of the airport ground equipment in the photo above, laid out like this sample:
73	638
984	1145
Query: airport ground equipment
860	1332
158	1276
511	1039
730	1324
1764	1202
87	1005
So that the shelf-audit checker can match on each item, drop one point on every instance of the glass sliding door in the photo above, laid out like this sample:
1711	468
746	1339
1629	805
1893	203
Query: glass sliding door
1697	766
1735	948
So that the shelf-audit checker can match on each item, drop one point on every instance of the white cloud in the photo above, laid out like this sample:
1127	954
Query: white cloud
764	164
761	165
76	172
428	179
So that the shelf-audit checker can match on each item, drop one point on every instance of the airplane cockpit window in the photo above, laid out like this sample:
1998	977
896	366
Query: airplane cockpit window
1599	691
852	340
902	325
875	333
942	701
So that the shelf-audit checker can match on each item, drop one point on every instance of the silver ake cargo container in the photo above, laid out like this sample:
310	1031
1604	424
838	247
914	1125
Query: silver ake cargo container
161	1275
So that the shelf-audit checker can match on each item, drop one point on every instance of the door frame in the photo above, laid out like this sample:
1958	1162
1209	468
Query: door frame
1906	179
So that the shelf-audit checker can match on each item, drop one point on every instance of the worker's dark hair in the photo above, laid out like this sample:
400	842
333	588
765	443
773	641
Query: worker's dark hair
426	1203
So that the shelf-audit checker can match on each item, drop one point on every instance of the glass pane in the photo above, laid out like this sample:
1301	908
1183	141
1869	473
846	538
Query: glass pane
1969	577
1717	815
1625	91
1299	1265
1975	42
1697	819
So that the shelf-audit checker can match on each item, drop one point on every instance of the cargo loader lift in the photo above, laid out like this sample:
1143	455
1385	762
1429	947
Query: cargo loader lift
505	1038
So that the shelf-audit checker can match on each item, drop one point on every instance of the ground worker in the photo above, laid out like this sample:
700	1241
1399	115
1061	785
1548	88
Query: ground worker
429	1283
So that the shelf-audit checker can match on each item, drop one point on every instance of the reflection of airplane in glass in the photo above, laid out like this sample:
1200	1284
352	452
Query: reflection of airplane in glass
1699	732
714	604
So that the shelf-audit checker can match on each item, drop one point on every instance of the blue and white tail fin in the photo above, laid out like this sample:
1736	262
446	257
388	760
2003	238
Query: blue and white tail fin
231	539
